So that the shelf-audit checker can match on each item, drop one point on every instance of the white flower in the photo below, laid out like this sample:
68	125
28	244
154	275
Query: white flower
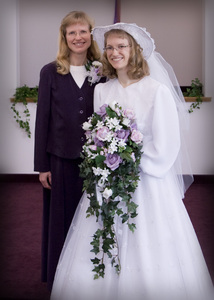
126	122
89	153
133	157
113	105
97	171
109	136
113	123
99	124
93	71
107	193
113	146
92	147
122	144
93	155
86	125
97	64
105	173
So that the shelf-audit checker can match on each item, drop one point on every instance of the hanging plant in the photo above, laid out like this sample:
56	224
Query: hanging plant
195	91
22	95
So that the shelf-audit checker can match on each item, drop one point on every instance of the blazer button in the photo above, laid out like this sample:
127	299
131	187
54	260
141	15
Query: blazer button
80	98
81	111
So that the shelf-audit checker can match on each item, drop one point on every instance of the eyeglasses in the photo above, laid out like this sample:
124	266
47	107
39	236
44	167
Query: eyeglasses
118	48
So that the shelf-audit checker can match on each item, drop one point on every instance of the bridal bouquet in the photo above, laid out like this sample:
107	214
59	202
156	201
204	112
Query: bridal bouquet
110	168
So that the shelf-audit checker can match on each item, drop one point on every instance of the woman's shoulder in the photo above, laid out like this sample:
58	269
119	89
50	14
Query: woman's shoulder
148	80
153	84
49	68
106	84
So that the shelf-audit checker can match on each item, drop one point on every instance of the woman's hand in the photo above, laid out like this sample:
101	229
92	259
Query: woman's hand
45	179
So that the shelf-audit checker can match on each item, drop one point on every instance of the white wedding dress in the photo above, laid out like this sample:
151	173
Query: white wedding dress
162	259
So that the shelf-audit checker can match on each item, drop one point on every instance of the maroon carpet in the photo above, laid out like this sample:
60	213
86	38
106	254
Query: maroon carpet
20	233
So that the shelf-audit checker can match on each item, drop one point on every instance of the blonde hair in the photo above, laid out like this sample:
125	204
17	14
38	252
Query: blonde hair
138	67
63	55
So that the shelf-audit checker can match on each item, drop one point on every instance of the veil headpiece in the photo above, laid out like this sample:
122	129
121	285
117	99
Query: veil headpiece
141	36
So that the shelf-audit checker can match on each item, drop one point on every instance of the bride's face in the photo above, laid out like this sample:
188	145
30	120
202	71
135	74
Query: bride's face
118	52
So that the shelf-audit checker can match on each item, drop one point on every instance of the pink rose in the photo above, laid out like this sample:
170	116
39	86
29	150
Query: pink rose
129	113
102	133
136	136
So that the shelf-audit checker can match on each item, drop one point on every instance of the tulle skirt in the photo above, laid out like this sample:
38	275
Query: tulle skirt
161	260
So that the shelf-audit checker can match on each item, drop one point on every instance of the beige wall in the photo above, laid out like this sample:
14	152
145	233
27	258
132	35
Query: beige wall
176	26
183	31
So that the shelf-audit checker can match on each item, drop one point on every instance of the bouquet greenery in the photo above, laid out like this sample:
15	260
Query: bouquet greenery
110	168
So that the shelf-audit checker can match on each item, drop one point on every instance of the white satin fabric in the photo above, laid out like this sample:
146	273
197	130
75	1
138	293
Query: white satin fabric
162	259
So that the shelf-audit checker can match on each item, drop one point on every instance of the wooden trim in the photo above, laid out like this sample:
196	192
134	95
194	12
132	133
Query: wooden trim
29	100
187	99
193	99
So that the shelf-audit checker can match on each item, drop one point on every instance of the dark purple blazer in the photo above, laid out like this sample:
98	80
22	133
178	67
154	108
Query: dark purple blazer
62	109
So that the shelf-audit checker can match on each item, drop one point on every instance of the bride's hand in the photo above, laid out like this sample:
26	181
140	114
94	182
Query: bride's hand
45	179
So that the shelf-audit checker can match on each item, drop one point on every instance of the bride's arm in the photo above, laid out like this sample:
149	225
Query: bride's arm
161	151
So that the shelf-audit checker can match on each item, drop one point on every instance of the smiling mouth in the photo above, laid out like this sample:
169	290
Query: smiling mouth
117	58
79	44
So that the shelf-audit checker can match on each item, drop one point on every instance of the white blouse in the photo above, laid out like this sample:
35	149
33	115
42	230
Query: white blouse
79	74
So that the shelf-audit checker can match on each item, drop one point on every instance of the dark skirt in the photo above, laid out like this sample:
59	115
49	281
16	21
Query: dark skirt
59	205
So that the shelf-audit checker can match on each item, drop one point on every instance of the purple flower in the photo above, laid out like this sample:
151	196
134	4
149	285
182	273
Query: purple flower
112	161
123	134
134	126
98	143
102	111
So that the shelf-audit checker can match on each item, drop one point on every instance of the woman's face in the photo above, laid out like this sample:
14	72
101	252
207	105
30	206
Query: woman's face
118	52
78	38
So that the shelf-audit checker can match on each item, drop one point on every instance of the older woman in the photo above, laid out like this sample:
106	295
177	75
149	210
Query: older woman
65	101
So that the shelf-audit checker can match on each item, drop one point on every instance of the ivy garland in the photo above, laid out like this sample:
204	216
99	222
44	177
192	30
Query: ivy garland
195	91
20	96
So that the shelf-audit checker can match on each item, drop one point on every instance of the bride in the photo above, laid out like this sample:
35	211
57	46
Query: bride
162	259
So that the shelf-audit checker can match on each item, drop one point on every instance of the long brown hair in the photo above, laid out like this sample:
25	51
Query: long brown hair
138	67
63	55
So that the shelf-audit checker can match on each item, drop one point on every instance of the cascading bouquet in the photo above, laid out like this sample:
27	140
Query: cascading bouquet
110	168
